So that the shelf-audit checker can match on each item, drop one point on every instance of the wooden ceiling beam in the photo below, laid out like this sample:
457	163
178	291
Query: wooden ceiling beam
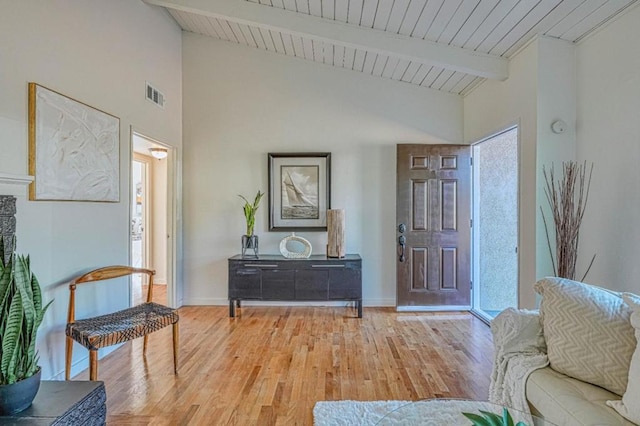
347	35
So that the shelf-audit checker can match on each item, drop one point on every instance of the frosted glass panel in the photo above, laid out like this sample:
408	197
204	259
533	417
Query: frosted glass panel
496	223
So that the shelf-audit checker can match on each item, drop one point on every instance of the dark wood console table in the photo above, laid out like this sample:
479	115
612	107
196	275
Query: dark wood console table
71	403
273	277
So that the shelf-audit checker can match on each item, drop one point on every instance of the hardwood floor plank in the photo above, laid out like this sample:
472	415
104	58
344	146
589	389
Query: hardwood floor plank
270	365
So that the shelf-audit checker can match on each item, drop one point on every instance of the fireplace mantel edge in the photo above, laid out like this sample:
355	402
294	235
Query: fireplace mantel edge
13	179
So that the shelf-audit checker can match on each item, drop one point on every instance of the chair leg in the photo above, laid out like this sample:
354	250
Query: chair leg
144	345
176	339
93	365
68	353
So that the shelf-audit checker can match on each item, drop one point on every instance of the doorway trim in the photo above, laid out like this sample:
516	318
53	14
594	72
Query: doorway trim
474	213
172	213
147	161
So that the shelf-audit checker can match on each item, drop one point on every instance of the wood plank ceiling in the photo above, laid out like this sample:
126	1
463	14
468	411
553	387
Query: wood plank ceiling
491	30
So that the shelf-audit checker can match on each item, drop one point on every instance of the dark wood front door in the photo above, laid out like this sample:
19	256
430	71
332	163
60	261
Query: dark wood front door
433	227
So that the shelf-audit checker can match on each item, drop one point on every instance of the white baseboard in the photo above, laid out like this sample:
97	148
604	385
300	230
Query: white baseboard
432	308
213	301
82	364
204	301
379	303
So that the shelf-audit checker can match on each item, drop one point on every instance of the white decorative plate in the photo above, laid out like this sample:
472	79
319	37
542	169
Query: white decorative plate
303	254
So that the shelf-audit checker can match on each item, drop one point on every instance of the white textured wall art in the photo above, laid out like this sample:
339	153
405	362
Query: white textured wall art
74	149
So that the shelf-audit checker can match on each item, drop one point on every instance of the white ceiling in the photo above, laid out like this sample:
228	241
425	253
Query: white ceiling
448	45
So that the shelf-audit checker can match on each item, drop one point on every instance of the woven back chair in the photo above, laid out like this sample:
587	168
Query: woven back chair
118	327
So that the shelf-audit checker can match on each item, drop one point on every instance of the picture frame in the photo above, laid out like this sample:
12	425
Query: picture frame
299	191
74	149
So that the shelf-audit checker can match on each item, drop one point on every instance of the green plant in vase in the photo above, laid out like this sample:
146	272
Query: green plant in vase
21	315
249	240
492	419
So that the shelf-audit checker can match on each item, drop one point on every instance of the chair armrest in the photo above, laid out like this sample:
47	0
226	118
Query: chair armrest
518	331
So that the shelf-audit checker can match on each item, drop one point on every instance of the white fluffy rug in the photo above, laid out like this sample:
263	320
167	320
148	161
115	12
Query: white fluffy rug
356	413
433	412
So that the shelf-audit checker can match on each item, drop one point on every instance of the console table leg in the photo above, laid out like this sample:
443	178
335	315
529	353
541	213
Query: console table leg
232	311
359	303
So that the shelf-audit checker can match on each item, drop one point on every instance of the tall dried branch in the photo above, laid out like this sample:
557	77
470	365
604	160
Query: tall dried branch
567	199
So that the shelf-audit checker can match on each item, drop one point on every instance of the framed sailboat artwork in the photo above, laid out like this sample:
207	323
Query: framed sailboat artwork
299	191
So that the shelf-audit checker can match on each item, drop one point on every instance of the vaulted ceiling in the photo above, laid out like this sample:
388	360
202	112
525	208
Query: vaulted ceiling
448	45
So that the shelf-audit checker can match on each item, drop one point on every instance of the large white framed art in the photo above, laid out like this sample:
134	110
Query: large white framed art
74	149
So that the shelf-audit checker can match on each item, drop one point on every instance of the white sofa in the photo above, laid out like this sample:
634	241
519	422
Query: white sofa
584	336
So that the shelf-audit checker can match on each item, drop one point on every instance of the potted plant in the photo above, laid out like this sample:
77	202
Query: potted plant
249	240
491	419
21	315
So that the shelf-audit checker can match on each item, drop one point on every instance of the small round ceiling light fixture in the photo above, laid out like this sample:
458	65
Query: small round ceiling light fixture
159	153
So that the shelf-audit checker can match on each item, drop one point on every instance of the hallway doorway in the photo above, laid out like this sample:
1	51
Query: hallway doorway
150	221
495	224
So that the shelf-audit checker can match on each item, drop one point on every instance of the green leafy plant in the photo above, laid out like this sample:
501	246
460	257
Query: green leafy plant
492	419
21	315
250	211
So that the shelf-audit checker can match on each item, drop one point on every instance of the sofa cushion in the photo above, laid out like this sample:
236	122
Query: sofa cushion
629	407
563	400
587	331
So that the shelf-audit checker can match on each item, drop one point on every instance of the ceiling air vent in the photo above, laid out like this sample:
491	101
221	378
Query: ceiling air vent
155	96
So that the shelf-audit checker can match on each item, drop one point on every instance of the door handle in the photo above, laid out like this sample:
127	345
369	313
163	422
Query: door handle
402	240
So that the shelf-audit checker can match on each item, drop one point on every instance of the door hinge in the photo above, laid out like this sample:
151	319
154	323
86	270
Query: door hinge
471	161
471	284
470	223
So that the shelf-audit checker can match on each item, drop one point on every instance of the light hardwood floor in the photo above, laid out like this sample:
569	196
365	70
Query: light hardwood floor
140	293
271	364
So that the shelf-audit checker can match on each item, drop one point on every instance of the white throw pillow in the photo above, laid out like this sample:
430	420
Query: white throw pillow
629	407
587	331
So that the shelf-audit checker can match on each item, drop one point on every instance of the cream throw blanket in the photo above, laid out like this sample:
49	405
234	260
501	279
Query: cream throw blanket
519	350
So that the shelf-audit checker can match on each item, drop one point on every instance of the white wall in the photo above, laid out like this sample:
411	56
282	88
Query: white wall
99	53
541	86
495	106
242	103
556	99
595	88
608	135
